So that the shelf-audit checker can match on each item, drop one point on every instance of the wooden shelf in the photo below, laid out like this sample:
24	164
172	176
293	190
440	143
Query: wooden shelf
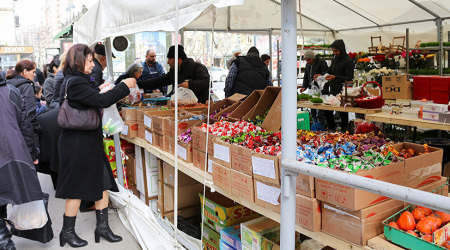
408	121
430	48
199	175
356	110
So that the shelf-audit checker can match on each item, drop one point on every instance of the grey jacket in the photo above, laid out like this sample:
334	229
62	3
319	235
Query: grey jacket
49	88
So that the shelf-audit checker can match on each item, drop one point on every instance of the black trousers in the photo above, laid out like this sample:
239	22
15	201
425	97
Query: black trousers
332	123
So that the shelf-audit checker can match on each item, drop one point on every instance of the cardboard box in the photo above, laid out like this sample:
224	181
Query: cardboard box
130	114
149	136
158	140
241	159
222	177
140	113
130	130
224	246
183	179
222	152
242	185
169	144
151	162
141	131
225	102
430	116
169	129
434	107
199	159
130	164
154	120
305	186
227	110
132	187
186	196
185	213
437	187
358	226
184	151
266	168
273	118
211	238
247	105
308	213
199	140
221	212
356	199
231	236
421	169
397	87
267	195
264	103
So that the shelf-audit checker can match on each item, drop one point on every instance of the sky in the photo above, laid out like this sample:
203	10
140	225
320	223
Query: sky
29	11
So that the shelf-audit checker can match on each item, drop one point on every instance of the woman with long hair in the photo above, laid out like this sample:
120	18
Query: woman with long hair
84	170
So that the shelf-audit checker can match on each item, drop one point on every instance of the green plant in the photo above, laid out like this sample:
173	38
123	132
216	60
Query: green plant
303	97
434	44
316	100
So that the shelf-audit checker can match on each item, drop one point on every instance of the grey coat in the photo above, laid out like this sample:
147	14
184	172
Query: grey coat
49	88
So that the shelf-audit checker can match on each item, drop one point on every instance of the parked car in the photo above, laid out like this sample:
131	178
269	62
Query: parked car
219	74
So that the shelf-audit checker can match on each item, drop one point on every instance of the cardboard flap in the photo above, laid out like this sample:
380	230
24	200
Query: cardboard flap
236	97
247	105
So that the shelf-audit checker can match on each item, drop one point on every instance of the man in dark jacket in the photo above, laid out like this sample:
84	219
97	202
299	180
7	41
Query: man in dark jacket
314	66
40	78
151	69
100	64
341	70
247	73
191	75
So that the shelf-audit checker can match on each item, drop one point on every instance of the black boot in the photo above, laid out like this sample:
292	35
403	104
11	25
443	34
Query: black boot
5	237
103	229
68	234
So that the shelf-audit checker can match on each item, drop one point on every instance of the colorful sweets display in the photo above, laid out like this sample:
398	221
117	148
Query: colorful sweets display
186	136
224	128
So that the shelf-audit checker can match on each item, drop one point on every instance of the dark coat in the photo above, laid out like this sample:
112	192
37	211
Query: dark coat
97	73
49	88
48	139
18	177
252	75
196	73
59	79
40	78
341	66
318	67
81	156
26	88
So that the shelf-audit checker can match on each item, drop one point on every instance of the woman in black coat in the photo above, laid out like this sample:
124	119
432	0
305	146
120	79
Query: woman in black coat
84	170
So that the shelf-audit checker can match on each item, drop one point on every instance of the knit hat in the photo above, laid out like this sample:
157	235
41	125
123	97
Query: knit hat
253	52
100	50
309	54
171	53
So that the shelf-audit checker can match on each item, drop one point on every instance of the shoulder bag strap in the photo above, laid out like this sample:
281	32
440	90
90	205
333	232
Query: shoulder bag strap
67	83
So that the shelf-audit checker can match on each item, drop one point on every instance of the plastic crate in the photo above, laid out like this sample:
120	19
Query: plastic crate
441	97
421	83
440	83
191	226
407	240
419	95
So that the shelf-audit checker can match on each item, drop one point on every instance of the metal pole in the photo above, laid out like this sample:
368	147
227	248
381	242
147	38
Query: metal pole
116	137
278	62
441	49
288	121
407	54
410	195
270	52
177	16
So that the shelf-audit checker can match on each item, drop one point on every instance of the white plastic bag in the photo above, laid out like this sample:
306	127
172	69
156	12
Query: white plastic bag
314	90
30	215
321	81
112	122
135	95
185	96
333	100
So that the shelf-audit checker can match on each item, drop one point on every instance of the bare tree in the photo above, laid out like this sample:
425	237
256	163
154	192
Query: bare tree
195	43
224	43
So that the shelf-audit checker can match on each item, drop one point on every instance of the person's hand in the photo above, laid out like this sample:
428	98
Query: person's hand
104	85
330	77
156	91
130	82
302	89
36	162
184	85
316	75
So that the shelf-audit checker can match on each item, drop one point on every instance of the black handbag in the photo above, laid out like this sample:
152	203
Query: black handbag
43	234
70	118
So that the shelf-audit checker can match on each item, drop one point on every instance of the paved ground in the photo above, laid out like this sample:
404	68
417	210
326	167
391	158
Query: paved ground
85	226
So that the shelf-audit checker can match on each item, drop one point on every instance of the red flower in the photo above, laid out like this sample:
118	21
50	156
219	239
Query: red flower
425	54
359	53
396	52
391	56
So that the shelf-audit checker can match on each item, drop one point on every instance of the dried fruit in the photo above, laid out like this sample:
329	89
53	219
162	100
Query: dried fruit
444	217
427	237
418	214
412	233
426	210
427	225
406	221
393	224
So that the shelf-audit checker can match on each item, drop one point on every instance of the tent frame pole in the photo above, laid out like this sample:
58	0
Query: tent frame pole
270	52
288	121
357	13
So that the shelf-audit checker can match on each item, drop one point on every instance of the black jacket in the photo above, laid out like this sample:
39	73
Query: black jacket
49	88
341	67
39	77
318	67
59	79
97	73
196	73
252	74
26	88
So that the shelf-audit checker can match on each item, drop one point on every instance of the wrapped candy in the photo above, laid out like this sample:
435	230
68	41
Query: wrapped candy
186	136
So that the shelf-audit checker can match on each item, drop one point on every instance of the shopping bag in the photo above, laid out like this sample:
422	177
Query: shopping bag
30	215
112	123
43	234
185	96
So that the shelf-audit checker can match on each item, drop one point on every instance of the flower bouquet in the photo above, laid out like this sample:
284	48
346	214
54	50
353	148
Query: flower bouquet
379	73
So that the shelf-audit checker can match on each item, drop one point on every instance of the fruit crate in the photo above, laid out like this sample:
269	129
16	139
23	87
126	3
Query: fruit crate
191	226
405	240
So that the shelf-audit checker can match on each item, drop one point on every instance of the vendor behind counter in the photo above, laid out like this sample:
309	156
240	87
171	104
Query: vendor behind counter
191	75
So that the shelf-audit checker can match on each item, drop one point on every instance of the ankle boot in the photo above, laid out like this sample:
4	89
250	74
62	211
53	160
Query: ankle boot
5	237
103	229
68	234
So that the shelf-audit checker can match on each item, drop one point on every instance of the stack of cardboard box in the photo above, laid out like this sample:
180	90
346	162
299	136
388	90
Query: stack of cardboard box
146	164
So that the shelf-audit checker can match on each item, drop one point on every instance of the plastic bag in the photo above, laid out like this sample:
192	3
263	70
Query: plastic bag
135	95
112	122
321	81
30	215
185	96
311	244
333	100
314	90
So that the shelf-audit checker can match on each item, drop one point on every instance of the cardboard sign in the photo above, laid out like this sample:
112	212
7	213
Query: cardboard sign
266	168
241	159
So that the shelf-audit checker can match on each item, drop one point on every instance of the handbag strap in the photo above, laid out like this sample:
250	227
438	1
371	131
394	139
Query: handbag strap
67	83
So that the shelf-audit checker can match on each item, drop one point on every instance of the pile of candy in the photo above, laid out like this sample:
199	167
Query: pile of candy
261	142
259	119
215	112
367	161
404	153
194	118
186	136
224	128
